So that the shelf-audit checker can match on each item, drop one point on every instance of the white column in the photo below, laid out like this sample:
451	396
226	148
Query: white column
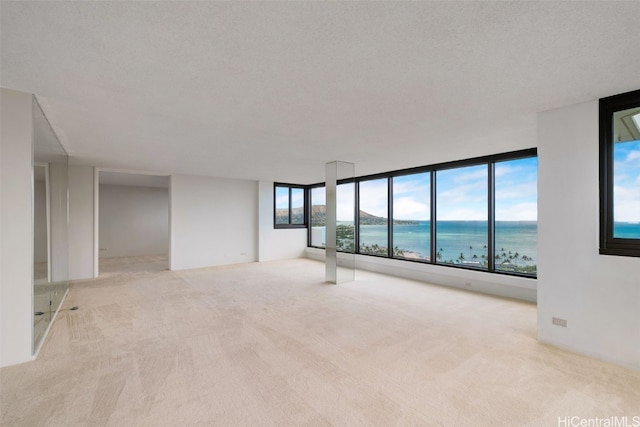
339	267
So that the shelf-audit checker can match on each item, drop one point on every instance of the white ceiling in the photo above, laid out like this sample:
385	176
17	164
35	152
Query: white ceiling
273	90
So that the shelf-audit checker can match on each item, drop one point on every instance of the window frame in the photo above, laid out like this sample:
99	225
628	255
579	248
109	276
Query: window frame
610	245
310	189
489	161
389	251
305	204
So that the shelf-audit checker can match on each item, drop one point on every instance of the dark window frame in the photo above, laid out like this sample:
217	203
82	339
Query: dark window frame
310	214
389	253
610	245
305	204
489	161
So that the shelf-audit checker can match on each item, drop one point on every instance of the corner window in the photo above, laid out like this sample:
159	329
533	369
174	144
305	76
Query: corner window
479	214
318	217
620	174
289	206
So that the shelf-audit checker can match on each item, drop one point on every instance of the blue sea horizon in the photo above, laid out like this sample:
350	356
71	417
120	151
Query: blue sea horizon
468	239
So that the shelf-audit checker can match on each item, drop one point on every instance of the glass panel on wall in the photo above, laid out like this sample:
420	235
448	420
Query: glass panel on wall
374	217
318	217
462	216
626	174
50	220
345	215
282	205
297	206
516	213
411	216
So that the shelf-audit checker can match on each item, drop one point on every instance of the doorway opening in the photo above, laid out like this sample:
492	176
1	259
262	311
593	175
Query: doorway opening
133	223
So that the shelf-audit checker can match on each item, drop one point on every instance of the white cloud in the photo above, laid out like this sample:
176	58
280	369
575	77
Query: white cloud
626	203
464	214
463	194
373	197
409	208
633	156
345	203
527	190
282	201
297	198
414	187
318	196
519	212
477	174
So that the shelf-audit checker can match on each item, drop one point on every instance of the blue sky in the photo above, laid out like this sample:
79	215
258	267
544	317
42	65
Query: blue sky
282	198
461	194
517	190
626	181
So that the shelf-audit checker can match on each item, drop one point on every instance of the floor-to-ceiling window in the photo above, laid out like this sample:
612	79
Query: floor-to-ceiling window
516	215
462	216
478	214
345	217
412	216
373	217
318	217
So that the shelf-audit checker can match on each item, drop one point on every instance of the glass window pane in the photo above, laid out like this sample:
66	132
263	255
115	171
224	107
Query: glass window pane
461	213
516	226
297	206
345	224
318	217
282	205
373	217
626	174
411	216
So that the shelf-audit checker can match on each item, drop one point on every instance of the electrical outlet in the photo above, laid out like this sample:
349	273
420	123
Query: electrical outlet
559	322
103	249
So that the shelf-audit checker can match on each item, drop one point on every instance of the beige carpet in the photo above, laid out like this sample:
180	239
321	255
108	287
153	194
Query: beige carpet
271	344
118	265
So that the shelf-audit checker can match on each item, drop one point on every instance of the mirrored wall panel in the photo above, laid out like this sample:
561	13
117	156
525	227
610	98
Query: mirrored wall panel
50	221
340	222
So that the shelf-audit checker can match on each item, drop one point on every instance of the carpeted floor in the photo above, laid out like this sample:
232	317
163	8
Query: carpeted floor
271	344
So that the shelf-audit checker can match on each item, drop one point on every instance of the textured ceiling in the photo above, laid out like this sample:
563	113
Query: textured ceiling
265	90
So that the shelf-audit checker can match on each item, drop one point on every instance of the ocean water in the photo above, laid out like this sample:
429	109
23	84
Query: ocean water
626	230
469	239
458	240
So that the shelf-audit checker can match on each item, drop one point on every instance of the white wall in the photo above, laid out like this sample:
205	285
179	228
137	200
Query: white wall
16	228
598	295
81	220
213	221
133	221
488	283
276	243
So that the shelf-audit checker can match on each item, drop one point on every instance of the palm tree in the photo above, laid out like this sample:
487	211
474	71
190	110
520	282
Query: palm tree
461	258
